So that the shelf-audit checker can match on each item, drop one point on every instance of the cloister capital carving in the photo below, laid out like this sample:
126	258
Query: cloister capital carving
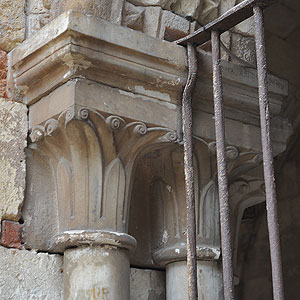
92	156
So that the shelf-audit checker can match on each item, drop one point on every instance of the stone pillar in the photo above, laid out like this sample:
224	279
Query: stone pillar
97	102
96	273
169	213
91	156
209	275
99	267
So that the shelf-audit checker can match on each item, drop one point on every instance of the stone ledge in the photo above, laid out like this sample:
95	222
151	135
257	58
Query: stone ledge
75	45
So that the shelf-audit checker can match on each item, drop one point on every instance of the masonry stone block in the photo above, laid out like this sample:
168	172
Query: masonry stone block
30	275
13	140
162	3
3	73
147	285
110	10
173	26
12	23
244	47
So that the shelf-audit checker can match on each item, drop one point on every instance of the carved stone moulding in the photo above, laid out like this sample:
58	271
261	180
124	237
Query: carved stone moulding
76	238
142	69
75	45
163	194
87	159
178	253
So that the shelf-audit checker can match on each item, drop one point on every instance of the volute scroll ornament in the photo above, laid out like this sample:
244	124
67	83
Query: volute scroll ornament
91	158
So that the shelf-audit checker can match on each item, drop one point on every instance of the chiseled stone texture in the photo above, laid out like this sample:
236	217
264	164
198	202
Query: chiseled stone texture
12	23
147	285
30	275
3	73
13	140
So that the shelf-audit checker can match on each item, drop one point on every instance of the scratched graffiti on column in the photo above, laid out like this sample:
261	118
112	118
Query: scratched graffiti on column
95	293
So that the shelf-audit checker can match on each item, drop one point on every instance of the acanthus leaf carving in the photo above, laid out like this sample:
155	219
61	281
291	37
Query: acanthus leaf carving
92	150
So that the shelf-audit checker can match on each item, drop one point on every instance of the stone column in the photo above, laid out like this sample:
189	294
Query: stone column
169	213
90	94
169	222
209	277
97	271
91	156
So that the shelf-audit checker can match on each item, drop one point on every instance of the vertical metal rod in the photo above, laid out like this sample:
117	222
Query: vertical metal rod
189	173
271	202
222	172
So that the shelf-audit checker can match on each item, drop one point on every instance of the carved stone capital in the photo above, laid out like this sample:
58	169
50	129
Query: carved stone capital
92	156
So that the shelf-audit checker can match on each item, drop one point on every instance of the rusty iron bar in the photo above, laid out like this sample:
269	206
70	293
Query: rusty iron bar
232	17
271	201
187	123
226	243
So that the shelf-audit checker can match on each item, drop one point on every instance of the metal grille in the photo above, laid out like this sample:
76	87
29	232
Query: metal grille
212	32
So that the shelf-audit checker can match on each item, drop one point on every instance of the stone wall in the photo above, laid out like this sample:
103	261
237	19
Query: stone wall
29	275
36	276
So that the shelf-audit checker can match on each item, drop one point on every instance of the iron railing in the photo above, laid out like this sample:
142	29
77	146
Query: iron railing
212	32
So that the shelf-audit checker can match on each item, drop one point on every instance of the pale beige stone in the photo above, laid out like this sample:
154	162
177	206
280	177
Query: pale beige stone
13	136
12	23
133	16
110	10
244	48
203	11
147	285
188	8
30	275
39	13
152	16
172	26
162	3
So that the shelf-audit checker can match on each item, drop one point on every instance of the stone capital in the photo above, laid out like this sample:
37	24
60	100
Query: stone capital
91	157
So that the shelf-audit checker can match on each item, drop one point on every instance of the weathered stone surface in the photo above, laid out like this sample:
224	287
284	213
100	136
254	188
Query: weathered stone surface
133	16
3	73
203	11
39	13
13	137
244	48
11	234
96	273
162	3
12	23
172	26
209	282
110	10
147	285
28	275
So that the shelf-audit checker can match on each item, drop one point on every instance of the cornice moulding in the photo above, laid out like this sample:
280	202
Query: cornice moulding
75	45
131	64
